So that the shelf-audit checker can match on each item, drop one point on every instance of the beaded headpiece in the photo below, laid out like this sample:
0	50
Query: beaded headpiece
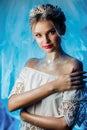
43	9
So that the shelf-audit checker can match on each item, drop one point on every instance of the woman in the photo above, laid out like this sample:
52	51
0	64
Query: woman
40	89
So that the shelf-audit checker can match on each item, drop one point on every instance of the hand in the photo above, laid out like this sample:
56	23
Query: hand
70	81
22	114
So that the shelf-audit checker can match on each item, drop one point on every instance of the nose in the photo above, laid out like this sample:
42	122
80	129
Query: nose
46	39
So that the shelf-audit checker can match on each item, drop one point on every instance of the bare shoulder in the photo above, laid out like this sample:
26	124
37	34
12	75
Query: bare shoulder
77	65
32	62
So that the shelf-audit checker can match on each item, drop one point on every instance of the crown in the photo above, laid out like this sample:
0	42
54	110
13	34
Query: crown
43	9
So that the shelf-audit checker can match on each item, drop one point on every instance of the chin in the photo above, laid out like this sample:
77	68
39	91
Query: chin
49	51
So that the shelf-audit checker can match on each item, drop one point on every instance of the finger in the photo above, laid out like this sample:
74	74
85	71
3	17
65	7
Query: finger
78	83
78	78
78	73
78	87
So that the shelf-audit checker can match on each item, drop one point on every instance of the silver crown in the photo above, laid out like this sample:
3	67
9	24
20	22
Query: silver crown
43	9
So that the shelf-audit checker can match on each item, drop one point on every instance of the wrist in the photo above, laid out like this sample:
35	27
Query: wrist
52	87
56	86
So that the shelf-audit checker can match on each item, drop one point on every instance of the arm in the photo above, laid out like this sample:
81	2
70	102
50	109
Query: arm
70	107
20	100
45	122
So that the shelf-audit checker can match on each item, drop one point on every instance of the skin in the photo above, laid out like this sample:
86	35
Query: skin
60	64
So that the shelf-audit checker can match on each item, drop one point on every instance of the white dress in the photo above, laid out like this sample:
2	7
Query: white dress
58	104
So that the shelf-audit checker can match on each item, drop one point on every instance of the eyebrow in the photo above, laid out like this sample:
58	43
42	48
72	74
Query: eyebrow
46	31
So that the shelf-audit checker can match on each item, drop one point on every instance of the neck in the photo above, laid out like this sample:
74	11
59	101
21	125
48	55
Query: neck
51	57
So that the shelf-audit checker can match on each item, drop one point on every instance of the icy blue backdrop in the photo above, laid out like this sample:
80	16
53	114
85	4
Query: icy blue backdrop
17	45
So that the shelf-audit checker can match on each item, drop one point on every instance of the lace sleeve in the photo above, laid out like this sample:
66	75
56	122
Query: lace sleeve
69	111
70	104
19	84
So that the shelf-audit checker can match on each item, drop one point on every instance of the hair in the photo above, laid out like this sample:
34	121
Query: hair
49	12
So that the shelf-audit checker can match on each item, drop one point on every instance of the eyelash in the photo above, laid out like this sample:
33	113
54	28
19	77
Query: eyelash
50	32
37	35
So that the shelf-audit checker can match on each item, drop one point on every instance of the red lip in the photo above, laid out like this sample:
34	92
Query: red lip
48	46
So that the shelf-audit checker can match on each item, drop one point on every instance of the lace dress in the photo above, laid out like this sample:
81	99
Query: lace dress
59	104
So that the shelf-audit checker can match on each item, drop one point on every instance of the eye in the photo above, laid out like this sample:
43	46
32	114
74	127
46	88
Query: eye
38	35
52	31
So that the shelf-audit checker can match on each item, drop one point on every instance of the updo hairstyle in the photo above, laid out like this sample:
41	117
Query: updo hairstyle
49	12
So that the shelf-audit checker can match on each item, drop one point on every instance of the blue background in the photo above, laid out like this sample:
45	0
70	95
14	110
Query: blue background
17	45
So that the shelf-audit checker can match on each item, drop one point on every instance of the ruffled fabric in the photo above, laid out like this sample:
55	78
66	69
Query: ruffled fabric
60	104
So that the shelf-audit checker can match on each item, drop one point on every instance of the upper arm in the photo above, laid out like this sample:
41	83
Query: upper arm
71	102
19	83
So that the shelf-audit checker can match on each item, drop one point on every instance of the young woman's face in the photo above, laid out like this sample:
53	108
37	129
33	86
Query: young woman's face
46	36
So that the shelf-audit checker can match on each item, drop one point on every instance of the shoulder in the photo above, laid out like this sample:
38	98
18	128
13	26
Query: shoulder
32	62
76	64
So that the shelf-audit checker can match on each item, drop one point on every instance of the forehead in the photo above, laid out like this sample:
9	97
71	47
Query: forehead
42	26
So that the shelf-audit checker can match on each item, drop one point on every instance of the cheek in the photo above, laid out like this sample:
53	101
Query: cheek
38	42
56	38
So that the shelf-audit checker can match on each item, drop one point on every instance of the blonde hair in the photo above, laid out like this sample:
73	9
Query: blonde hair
49	12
